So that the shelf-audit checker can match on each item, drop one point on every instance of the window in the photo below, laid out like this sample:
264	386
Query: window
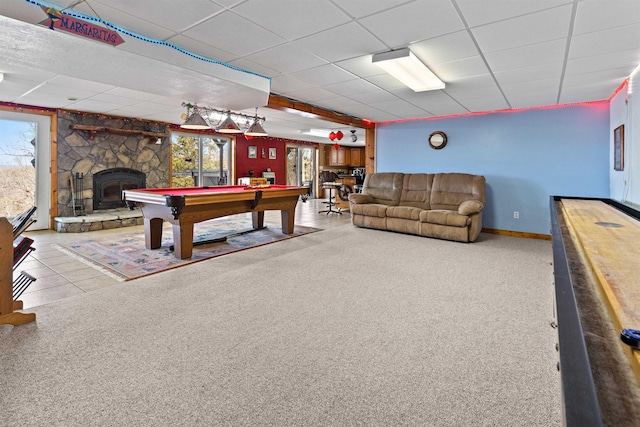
201	160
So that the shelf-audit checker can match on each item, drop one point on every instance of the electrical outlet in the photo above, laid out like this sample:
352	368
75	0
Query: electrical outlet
516	214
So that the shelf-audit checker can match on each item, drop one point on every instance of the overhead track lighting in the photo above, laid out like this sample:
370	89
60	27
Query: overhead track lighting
209	118
408	69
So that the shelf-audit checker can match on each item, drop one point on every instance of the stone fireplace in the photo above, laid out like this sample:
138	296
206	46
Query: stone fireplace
109	160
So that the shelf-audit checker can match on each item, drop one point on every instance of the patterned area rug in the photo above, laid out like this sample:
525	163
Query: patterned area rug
125	257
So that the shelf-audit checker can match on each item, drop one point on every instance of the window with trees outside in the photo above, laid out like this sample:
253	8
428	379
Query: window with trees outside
201	160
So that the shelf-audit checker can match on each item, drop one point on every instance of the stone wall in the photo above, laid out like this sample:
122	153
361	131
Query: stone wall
78	153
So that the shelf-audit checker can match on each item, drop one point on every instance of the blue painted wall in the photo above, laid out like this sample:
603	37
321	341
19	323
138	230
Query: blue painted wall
526	156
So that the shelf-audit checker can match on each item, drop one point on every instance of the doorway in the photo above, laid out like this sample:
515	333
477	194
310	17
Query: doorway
301	166
201	160
25	166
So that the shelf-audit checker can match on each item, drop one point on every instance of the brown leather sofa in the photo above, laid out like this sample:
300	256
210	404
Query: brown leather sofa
442	205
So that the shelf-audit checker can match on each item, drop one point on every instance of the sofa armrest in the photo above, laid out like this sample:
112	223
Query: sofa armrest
358	198
469	207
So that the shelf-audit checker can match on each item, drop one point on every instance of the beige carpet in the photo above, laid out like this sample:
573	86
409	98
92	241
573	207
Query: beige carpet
342	327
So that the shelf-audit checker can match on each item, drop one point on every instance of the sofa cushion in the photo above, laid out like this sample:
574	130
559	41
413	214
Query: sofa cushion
384	187
445	217
369	209
404	212
451	189
416	190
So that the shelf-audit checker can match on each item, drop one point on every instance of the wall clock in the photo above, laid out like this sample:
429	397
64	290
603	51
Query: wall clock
437	140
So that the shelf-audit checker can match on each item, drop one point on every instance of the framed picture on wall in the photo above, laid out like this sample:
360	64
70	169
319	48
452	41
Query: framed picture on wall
618	148
272	153
253	152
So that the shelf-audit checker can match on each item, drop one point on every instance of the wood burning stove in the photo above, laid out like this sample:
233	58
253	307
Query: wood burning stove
108	185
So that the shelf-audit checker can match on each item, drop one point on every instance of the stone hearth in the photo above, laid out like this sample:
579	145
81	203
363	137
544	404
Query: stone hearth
102	220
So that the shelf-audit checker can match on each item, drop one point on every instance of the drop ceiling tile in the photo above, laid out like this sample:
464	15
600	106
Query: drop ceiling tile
130	93
593	16
478	13
124	20
352	87
378	95
93	106
413	22
145	108
312	95
488	100
399	107
361	8
223	28
254	67
293	19
524	30
323	75
530	74
114	99
452	71
542	86
527	56
341	104
72	82
48	89
591	93
343	42
529	100
361	66
26	74
470	85
201	48
286	58
599	42
449	47
371	113
16	85
42	101
169	14
436	102
286	84
610	80
626	60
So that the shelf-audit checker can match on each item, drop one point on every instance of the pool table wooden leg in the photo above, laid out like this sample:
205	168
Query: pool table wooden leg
257	219
183	240
152	233
287	217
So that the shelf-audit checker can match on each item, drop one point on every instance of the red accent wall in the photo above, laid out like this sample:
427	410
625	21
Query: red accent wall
262	161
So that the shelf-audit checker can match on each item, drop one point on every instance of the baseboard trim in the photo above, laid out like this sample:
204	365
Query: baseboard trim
518	234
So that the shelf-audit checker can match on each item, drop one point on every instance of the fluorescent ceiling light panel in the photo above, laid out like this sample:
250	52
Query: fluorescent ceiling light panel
317	132
407	68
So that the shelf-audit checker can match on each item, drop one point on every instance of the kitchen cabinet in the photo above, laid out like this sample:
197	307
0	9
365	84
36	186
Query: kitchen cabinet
356	157
339	157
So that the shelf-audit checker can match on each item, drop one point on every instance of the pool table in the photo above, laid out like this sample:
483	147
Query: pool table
183	207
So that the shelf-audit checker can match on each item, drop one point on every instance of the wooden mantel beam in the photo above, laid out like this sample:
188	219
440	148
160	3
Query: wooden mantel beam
95	129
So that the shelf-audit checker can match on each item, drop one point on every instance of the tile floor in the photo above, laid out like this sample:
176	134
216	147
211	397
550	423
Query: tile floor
59	276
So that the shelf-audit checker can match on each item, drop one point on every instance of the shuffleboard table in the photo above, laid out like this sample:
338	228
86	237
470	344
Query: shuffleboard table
183	207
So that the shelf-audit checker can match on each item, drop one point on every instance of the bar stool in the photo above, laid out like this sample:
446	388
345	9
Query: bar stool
328	182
